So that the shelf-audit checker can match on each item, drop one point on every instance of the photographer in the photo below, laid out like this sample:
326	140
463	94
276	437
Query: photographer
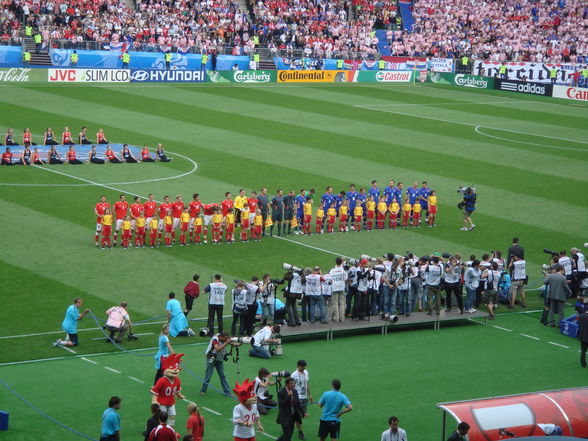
360	306
557	293
262	340
302	386
351	288
251	301
515	250
239	307
293	292
578	271
216	302
216	353
314	293
433	275
403	275
471	280
268	299
566	263
374	281
492	277
468	203
451	278
264	399
119	322
388	285
519	279
336	312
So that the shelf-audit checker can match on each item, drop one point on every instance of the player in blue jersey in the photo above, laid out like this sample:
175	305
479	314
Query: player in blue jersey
374	190
351	196
339	198
300	200
361	200
389	192
424	194
328	198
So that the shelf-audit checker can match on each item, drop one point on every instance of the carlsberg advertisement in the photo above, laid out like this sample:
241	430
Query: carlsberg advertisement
241	76
463	80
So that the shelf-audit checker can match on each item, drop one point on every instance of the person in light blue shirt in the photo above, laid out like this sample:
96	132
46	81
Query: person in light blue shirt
70	323
334	404
164	349
111	421
178	325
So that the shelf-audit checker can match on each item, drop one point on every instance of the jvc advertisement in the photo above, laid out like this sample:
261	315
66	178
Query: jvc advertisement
167	76
570	93
89	75
242	76
463	80
523	87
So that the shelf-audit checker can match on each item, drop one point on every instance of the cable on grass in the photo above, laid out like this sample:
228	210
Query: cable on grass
39	411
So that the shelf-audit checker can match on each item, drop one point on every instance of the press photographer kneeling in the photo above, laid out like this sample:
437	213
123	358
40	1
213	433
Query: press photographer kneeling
264	399
262	340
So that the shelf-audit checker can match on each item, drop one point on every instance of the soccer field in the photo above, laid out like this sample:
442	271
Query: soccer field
527	157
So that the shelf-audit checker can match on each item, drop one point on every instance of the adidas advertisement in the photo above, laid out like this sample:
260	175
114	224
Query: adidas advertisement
524	87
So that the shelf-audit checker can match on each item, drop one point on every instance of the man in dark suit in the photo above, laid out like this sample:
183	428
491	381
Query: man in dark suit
515	250
460	433
290	410
583	337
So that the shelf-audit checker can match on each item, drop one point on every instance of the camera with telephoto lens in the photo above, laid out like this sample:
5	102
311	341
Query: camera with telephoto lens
277	281
238	341
291	268
280	374
388	317
203	332
276	347
368	258
551	252
380	268
464	190
349	263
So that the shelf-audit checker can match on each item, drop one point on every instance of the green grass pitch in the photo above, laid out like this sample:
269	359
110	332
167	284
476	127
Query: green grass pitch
527	157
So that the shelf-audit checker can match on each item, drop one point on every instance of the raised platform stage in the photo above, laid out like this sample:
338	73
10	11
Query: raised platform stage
348	326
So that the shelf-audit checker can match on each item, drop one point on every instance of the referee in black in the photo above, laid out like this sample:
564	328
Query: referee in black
263	204
289	201
277	205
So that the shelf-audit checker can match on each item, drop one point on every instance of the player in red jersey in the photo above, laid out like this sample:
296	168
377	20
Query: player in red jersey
99	211
36	158
66	137
120	209
163	207
149	209
195	208
227	204
252	202
177	210
136	210
72	156
208	210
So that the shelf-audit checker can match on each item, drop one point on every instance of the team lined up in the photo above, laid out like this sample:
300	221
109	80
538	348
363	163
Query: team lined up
151	223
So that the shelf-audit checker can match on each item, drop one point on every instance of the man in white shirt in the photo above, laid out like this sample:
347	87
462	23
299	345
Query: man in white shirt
118	322
216	302
300	377
314	293
566	262
518	277
394	433
433	275
261	341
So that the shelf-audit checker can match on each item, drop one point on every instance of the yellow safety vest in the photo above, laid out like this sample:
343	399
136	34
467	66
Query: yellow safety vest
339	64
256	40
464	61
502	69
74	58
38	38
381	64
27	56
585	73
168	57
204	59
553	73
28	31
126	58
256	58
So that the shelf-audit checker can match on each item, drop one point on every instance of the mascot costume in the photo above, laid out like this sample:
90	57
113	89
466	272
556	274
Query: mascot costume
245	414
169	387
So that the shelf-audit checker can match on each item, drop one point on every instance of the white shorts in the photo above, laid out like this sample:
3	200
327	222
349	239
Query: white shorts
176	222
133	224
207	219
98	227
251	218
118	224
170	410
191	223
148	222
161	225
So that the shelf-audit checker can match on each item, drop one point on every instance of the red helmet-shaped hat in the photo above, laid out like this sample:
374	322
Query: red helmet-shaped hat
172	361
244	391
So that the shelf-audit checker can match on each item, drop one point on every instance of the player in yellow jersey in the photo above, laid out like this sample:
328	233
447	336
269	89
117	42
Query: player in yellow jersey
168	222
245	215
381	215
217	219
370	207
331	215
416	214
394	209
197	233
320	218
343	214
153	227
106	222
184	225
307	216
257	225
140	231
126	231
432	203
358	215
230	225
406	210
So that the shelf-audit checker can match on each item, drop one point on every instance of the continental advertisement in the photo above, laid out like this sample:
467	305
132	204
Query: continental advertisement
312	76
463	80
241	76
22	75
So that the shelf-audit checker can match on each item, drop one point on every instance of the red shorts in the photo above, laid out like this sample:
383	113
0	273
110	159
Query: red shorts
236	438
153	234
169	228
393	216
141	230
307	219
331	219
244	223
98	220
184	226
106	230
257	228
432	209
371	214
216	227
230	228
319	222
198	229
406	214
416	215
126	234
358	219
343	218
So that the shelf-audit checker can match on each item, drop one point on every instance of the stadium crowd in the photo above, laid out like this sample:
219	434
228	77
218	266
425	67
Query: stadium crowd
153	223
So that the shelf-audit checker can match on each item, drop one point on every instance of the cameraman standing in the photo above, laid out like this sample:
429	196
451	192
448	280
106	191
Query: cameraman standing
251	301
579	270
519	279
433	275
314	293
216	353
469	206
239	296
337	308
293	292
216	302
360	306
451	278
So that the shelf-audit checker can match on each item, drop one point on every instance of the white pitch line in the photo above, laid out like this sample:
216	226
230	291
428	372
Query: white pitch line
311	246
136	379
114	371
268	435
530	336
557	344
440	104
211	411
68	349
477	130
503	329
89	361
472	125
